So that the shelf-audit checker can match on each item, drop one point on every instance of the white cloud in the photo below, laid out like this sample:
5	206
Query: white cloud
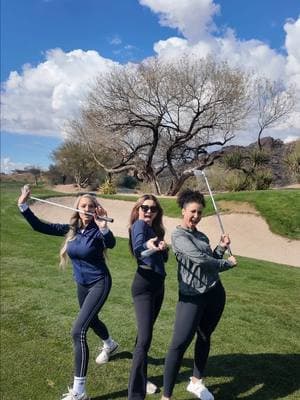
115	40
292	29
193	18
290	139
7	165
39	99
251	55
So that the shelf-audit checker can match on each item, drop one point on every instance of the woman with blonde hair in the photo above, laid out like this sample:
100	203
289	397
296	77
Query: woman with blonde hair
146	239
86	239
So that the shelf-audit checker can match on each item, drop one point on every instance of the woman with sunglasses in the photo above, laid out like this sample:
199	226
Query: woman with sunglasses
146	241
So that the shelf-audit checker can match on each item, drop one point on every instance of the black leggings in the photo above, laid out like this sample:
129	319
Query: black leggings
194	314
91	299
148	293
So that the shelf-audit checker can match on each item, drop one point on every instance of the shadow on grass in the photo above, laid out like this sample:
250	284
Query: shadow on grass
122	355
245	376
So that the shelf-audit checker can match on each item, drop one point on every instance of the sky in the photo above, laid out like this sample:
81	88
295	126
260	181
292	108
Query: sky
51	50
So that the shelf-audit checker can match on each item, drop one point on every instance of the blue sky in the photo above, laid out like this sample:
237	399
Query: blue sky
47	84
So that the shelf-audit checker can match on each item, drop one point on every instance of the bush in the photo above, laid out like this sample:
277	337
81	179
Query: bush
129	182
260	157
233	160
292	162
262	180
236	182
108	187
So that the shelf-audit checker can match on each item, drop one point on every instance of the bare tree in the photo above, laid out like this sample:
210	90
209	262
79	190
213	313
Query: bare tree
273	104
73	159
160	118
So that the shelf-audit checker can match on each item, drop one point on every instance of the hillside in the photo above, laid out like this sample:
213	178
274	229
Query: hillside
277	150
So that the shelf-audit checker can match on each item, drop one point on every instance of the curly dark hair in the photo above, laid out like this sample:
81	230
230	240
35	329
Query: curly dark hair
190	196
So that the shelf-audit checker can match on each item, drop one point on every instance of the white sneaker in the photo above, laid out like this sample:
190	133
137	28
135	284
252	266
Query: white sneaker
200	390
151	388
106	352
72	396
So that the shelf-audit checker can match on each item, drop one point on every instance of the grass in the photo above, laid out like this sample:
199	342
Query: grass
255	349
280	208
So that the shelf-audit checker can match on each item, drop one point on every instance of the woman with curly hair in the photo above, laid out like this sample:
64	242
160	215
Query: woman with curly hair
201	294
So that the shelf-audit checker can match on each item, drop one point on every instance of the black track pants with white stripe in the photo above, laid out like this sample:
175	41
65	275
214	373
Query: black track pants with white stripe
91	299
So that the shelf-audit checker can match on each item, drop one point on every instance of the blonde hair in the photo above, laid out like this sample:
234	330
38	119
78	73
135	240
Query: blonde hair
75	224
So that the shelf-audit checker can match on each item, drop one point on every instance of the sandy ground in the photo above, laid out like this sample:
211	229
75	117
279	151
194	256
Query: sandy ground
250	234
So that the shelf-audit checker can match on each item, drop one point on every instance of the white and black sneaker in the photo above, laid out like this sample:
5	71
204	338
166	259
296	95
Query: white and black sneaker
200	390
151	388
73	396
107	352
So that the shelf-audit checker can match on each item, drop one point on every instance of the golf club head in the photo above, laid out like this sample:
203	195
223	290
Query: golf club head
25	189
198	172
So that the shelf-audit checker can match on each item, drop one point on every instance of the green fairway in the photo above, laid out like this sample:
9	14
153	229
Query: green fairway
255	350
280	208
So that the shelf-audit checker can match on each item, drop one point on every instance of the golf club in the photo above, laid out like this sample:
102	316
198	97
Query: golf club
199	173
148	252
100	218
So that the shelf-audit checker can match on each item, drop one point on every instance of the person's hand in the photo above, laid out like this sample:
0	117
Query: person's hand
233	260
151	244
100	212
162	245
225	240
25	194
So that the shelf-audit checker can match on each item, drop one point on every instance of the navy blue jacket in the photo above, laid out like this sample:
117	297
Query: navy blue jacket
85	250
140	233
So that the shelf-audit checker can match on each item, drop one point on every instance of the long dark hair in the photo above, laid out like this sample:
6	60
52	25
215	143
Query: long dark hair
157	224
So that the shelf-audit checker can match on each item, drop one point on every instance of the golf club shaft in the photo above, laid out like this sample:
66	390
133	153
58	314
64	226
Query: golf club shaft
101	218
216	209
148	252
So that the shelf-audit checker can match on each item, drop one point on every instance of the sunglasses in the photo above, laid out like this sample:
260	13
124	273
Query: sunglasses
152	209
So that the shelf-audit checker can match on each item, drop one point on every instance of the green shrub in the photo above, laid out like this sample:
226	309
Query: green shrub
234	160
292	161
259	157
262	180
236	182
129	182
108	187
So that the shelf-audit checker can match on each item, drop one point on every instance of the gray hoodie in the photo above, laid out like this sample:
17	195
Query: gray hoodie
198	266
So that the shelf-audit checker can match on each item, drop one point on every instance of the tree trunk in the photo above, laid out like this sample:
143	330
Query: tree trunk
259	139
176	185
157	187
154	183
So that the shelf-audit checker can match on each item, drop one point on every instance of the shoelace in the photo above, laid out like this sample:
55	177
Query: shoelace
70	392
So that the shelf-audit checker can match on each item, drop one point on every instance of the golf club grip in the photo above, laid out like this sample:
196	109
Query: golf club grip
107	219
148	252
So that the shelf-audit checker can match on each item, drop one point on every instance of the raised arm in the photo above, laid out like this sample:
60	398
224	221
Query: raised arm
34	221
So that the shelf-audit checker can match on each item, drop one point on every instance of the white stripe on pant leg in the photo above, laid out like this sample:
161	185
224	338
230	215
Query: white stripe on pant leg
83	330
